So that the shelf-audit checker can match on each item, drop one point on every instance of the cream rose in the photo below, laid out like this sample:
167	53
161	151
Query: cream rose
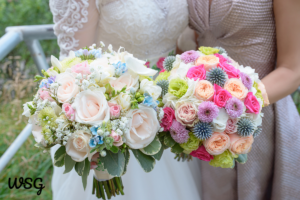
67	87
78	146
91	107
128	80
186	114
153	90
220	121
217	143
123	99
236	88
143	127
240	145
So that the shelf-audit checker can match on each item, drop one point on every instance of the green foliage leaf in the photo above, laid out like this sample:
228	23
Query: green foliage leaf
114	149
153	148
38	78
59	156
146	162
159	154
169	141
114	163
242	159
69	164
79	168
85	172
127	157
177	148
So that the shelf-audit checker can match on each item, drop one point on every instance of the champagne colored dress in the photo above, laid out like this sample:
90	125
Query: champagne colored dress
246	29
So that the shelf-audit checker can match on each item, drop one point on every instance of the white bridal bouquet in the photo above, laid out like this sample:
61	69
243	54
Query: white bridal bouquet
98	105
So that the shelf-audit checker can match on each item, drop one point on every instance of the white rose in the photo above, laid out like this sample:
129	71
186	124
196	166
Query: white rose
128	80
91	107
177	62
123	100
67	87
78	146
249	71
220	122
143	127
153	90
170	100
101	70
137	66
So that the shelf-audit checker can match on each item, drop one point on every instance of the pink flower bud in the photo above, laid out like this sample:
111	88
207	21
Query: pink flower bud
69	111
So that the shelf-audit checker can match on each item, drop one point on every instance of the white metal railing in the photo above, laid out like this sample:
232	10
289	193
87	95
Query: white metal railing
31	36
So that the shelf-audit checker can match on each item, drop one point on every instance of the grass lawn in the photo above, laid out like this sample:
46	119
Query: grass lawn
28	161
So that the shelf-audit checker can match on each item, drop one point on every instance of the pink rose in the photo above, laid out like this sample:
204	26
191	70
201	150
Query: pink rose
91	108
147	64
186	114
44	94
239	144
230	70
127	80
251	103
160	62
161	71
197	73
114	109
67	89
202	154
221	58
217	143
167	120
82	68
69	111
117	138
231	126
221	96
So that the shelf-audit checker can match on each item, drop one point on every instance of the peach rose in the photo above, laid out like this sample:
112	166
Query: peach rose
239	144
143	127
217	143
125	80
67	89
204	90
91	107
186	114
236	88
262	88
78	146
117	138
209	61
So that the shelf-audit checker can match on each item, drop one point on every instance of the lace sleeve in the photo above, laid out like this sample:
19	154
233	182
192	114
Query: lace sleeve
75	23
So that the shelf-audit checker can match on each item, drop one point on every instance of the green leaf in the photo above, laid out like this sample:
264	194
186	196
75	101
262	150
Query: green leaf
242	159
152	148
127	157
114	163
113	93
59	156
79	168
169	141
85	173
177	148
94	149
159	154
69	164
146	162
114	149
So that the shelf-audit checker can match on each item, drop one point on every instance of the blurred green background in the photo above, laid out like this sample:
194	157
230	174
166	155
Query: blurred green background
17	87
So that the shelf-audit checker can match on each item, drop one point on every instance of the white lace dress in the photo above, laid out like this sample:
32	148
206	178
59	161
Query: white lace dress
148	29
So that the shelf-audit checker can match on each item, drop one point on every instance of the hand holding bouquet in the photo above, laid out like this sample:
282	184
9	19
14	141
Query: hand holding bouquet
98	105
212	107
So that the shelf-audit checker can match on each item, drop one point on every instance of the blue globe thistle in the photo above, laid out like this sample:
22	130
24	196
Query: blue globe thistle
168	63
245	127
221	50
164	84
216	76
257	132
203	130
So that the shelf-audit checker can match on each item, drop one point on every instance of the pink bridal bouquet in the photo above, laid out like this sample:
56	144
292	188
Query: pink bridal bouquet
212	107
98	105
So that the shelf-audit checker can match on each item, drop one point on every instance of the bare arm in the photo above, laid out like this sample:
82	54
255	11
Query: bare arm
285	79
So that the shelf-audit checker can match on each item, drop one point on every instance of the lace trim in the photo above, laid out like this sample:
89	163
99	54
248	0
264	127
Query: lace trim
68	17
